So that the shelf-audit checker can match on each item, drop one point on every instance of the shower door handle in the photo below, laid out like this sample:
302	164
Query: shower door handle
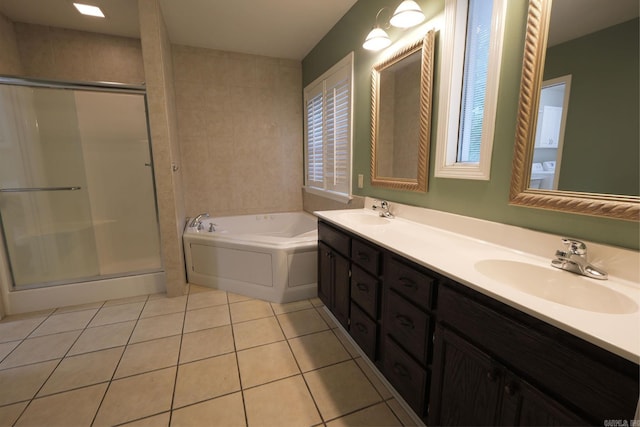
21	190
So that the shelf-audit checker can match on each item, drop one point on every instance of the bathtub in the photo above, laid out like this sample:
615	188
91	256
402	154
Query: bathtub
268	256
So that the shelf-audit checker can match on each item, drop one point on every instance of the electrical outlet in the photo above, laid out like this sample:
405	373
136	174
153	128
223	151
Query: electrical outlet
360	180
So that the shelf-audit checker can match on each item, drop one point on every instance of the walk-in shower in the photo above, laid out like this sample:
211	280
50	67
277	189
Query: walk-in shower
77	198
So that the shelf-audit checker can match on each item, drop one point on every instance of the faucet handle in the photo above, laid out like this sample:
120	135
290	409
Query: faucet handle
575	247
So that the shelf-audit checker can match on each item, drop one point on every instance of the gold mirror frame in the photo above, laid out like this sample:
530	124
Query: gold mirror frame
605	205
426	45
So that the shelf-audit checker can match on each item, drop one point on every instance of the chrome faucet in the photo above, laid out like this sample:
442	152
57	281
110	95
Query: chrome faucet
574	259
384	205
197	221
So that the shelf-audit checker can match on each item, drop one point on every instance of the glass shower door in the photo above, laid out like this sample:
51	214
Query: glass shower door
77	201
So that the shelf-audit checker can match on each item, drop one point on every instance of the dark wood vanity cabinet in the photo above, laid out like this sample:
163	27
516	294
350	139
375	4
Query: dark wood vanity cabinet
459	357
334	272
494	365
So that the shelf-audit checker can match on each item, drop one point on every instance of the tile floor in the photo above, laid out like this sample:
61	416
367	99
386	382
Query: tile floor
210	358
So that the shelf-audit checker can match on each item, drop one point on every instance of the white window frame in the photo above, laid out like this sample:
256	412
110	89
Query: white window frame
446	165
319	85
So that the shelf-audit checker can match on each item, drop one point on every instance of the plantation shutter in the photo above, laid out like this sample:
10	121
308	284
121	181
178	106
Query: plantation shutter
337	166
314	148
328	130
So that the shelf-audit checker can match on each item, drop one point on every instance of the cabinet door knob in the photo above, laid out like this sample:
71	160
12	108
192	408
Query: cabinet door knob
363	256
405	321
360	327
362	286
408	283
511	388
399	369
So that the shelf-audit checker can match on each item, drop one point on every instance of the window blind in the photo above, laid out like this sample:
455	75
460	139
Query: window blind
328	130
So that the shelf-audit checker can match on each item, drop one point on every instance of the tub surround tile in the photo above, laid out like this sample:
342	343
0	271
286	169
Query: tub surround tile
222	411
293	407
82	370
149	356
73	408
136	397
206	343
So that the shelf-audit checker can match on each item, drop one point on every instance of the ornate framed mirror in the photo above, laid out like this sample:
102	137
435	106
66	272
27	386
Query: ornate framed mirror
587	184
401	90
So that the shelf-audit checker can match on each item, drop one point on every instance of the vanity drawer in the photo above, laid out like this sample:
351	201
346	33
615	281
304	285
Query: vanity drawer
410	282
365	290
366	256
407	377
334	238
408	325
364	331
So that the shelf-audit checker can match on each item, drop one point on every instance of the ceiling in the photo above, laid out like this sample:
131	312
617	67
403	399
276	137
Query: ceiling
275	28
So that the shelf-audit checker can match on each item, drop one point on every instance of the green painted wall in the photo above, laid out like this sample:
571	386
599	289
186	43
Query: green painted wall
480	199
603	120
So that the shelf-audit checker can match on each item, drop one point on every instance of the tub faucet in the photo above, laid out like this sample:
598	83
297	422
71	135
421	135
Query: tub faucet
197	221
574	259
384	205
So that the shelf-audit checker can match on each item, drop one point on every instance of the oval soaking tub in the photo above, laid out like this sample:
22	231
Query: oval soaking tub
267	256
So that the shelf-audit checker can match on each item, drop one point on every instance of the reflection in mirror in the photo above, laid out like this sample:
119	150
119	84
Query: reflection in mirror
577	149
401	117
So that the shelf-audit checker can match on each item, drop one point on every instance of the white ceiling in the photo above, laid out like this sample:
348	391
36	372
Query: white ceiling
276	28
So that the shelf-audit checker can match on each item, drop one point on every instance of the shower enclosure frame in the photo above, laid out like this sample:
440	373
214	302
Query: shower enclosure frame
87	289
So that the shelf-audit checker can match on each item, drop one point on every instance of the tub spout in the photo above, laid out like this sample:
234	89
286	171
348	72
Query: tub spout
197	221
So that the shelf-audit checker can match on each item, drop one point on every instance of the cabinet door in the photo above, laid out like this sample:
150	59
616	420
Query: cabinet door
325	273
466	384
341	289
524	405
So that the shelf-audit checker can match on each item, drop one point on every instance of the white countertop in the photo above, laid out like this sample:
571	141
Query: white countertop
455	254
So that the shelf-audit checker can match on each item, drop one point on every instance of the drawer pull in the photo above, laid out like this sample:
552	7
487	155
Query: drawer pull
399	369
363	287
363	256
408	283
405	321
511	388
360	327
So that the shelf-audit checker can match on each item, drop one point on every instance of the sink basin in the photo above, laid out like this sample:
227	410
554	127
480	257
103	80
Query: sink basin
559	286
364	218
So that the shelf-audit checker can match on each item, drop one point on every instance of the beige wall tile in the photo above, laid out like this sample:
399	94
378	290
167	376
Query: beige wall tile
240	131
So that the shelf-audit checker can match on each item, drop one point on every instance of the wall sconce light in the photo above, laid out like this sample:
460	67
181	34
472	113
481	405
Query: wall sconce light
406	15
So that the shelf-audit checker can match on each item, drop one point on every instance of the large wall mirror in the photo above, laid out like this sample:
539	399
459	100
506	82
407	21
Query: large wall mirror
401	117
577	140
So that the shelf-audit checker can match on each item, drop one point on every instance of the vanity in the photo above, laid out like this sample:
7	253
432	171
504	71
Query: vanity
427	297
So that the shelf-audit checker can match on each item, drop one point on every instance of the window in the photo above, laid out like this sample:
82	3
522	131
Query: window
328	132
470	76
